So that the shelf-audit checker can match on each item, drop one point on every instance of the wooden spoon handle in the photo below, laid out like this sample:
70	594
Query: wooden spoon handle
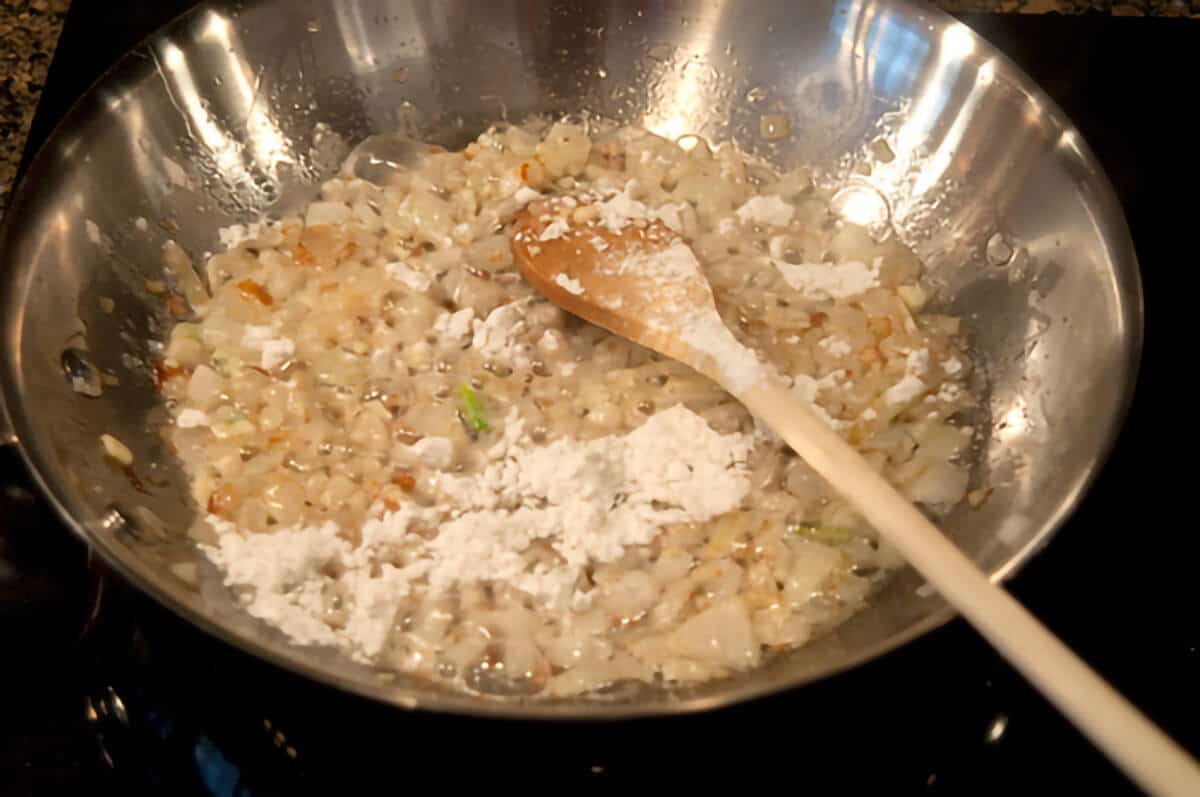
1135	744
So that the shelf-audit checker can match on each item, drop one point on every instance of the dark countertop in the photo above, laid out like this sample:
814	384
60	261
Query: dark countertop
29	32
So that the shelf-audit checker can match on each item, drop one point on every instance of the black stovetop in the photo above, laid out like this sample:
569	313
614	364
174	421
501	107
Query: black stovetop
101	691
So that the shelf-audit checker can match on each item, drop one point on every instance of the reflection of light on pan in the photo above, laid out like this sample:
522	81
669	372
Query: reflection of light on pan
860	40
926	111
895	61
986	74
266	142
1069	140
849	59
915	174
952	142
682	97
360	34
862	205
140	146
676	120
224	148
356	34
874	46
958	41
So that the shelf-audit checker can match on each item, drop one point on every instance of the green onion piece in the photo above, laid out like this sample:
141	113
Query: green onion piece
473	410
829	535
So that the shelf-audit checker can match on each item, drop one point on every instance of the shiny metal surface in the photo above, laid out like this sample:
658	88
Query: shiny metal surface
237	109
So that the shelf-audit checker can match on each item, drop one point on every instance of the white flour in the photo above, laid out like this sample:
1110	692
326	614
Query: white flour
436	452
568	284
615	213
819	281
456	327
556	229
703	330
739	366
495	337
771	211
588	501
669	267
622	209
911	385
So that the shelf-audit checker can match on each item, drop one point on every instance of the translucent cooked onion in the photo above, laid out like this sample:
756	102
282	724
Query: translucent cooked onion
941	483
720	635
337	344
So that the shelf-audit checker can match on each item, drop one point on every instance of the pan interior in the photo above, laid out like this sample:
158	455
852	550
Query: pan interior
239	110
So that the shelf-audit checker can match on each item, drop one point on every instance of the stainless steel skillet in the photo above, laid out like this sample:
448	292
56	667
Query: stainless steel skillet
235	110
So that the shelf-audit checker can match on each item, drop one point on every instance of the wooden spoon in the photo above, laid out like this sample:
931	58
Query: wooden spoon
641	281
